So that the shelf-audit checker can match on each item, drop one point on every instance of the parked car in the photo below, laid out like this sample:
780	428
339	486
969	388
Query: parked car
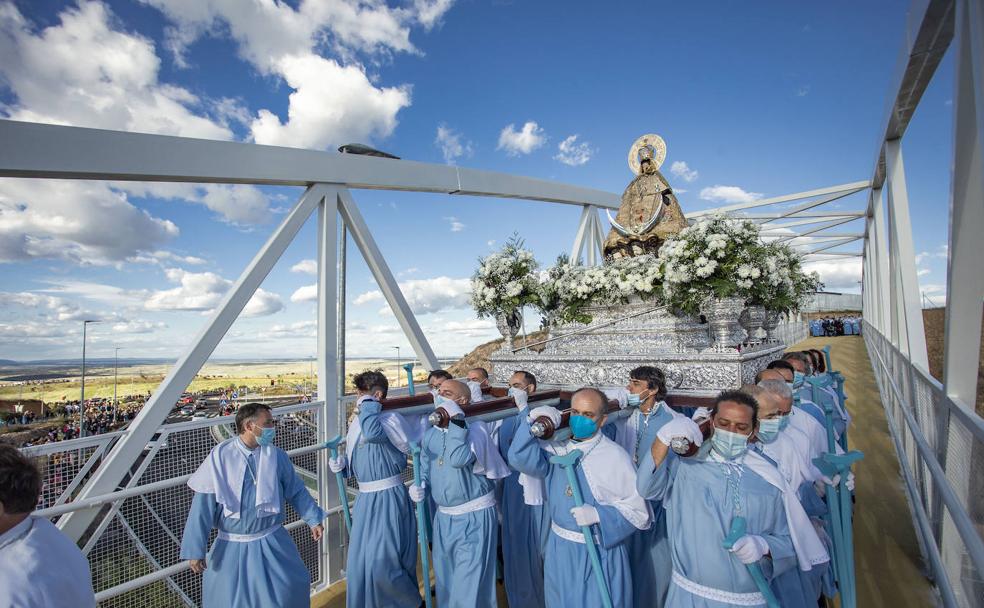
188	410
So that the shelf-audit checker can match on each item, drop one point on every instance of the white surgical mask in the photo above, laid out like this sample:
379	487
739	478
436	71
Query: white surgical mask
728	444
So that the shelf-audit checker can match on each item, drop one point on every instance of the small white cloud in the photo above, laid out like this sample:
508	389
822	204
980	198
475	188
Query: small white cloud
137	327
728	194
456	226
369	296
490	243
803	90
572	153
452	144
308	293
837	275
524	141
683	171
922	272
408	272
305	267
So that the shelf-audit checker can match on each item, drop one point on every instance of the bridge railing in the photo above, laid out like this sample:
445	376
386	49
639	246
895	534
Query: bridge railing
940	445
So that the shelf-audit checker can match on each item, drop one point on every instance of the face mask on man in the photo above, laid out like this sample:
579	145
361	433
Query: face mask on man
798	379
769	429
727	444
266	435
784	421
582	427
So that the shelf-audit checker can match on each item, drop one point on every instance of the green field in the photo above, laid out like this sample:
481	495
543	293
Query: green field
270	378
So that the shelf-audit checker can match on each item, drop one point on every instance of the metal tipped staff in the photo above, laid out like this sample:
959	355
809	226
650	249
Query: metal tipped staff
421	521
567	463
410	387
843	528
738	529
332	445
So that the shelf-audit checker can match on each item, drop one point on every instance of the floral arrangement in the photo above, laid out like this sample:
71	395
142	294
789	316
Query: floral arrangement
505	281
718	256
567	289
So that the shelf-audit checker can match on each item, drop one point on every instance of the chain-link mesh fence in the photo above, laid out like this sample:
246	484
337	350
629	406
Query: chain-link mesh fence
941	445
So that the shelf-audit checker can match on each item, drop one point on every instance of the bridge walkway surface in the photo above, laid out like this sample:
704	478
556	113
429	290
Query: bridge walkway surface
889	566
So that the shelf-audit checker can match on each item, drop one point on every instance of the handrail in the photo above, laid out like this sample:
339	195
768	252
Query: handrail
961	520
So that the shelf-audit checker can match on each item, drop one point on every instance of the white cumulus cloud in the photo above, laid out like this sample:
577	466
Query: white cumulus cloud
305	267
307	293
728	194
452	144
524	141
456	225
203	291
572	153
427	295
837	275
683	171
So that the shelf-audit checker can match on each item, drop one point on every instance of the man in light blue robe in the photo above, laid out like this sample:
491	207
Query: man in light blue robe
459	467
524	526
240	489
381	568
649	551
612	506
803	368
704	493
789	449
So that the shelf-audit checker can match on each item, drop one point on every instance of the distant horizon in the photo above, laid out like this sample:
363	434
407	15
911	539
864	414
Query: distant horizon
121	360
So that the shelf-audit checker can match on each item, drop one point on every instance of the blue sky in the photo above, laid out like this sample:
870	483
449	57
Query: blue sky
762	98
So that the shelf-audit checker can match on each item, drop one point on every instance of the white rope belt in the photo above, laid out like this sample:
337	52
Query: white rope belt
571	535
482	502
381	484
719	595
245	538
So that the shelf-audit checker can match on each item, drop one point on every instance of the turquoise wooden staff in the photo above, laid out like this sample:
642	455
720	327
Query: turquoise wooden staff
738	529
332	446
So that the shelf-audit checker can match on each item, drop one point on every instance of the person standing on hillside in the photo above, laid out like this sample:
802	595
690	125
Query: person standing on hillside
381	568
30	545
240	489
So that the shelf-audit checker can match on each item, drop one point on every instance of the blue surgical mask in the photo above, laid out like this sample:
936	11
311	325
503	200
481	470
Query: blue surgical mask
582	427
266	435
798	379
634	400
728	444
769	429
784	421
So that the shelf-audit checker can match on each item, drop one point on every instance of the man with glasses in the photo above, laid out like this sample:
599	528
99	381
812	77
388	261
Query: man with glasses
240	489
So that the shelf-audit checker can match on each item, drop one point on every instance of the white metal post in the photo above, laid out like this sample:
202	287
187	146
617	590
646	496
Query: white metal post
881	265
384	278
599	235
332	546
583	229
126	451
898	200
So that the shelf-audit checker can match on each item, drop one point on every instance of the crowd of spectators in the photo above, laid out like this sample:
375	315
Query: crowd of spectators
101	416
836	326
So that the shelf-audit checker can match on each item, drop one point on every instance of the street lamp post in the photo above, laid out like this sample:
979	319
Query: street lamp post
397	366
116	367
82	395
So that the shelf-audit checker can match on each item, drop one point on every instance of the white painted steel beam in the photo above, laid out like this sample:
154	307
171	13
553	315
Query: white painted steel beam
795	211
842	190
965	279
53	151
898	200
384	278
599	236
833	245
819	215
816	229
833	254
881	264
826	237
769	227
582	234
331	556
118	462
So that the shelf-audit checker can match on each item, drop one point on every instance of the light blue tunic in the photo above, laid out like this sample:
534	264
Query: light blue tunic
568	578
524	531
381	569
699	503
649	550
464	545
260	573
838	416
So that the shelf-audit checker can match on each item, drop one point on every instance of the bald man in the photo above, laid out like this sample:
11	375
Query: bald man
459	467
612	505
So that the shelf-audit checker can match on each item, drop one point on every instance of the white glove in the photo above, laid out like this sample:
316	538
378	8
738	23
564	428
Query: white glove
850	481
701	413
550	412
417	493
680	426
827	481
585	515
520	396
750	548
337	465
619	394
